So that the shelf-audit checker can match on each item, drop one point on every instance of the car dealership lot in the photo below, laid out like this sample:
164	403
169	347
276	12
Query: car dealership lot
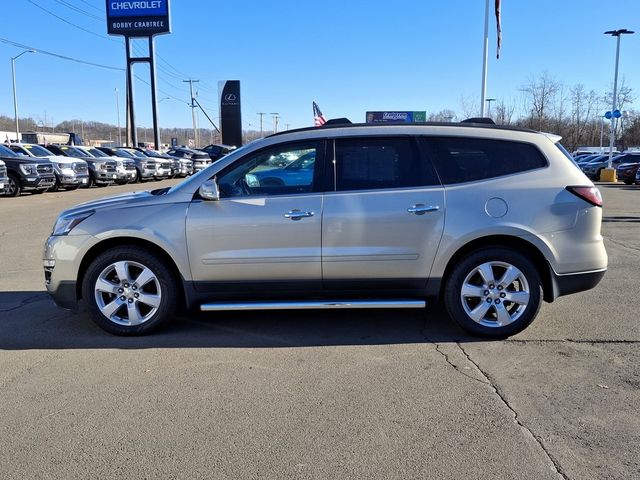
381	394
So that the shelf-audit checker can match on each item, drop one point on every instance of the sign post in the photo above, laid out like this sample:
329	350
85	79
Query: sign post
139	19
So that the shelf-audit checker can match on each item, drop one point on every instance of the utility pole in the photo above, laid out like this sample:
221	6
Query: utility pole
275	116
193	112
262	114
118	111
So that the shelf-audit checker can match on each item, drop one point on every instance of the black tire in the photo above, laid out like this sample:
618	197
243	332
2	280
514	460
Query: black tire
13	188
628	182
499	258
56	186
164	284
70	188
40	191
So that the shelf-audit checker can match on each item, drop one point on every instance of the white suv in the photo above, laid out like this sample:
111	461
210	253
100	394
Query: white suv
490	220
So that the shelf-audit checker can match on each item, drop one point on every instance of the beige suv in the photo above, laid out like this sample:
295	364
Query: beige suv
490	220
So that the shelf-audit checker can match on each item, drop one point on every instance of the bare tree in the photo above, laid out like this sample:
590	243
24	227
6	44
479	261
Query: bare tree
442	116
539	96
503	113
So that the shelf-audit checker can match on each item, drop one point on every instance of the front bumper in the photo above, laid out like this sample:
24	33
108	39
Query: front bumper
61	267
102	176
162	173
39	182
126	176
72	179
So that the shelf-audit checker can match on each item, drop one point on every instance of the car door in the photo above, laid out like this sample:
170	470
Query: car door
384	219
260	231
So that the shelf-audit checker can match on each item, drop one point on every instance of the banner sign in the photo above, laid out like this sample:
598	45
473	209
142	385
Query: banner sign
142	18
396	117
230	113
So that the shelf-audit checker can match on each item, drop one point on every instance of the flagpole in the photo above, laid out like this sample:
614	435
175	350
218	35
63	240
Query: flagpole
485	60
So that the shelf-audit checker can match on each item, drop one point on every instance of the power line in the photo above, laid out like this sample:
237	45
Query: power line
79	10
63	57
71	23
91	5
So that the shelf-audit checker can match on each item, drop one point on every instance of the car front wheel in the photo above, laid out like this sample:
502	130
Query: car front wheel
129	291
494	292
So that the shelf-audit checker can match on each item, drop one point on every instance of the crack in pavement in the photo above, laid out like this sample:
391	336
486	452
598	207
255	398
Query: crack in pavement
516	418
571	340
455	367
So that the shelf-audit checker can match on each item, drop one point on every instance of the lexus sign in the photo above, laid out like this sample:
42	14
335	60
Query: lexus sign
143	18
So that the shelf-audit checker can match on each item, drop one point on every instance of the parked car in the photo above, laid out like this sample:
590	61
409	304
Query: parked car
125	167
180	167
145	167
26	174
595	166
299	171
148	168
102	172
200	160
71	173
4	180
626	170
216	151
366	230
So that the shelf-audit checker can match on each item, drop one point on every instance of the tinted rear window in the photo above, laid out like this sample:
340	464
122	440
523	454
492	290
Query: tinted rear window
459	160
378	163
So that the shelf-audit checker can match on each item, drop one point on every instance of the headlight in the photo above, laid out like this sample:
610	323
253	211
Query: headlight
66	223
98	165
29	168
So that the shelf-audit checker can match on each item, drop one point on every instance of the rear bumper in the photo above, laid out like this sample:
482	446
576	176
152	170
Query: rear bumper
567	284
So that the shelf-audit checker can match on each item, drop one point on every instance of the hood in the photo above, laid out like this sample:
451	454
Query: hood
133	198
61	159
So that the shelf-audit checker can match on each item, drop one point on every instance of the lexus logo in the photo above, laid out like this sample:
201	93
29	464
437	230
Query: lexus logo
230	97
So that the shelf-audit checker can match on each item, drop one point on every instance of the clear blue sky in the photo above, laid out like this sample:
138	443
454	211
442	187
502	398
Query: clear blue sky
349	55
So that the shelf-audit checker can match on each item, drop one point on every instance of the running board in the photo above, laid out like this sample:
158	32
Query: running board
311	305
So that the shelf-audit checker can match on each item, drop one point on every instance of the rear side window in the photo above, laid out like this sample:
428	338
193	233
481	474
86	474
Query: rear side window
459	160
379	163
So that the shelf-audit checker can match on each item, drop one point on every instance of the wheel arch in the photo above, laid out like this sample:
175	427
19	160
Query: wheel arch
110	243
533	253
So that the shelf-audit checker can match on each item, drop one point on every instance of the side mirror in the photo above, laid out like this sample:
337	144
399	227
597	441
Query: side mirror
209	190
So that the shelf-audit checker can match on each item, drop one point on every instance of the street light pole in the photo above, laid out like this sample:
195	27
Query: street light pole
489	100
15	95
118	110
617	34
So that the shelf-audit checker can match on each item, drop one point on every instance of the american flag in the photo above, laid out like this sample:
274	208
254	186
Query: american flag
499	28
318	117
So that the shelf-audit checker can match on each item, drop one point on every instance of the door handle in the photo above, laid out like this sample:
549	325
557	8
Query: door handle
297	214
421	208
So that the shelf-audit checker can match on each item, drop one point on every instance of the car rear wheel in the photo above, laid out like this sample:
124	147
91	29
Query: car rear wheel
129	291
494	292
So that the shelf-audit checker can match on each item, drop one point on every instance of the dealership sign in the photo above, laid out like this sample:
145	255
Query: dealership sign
396	117
143	18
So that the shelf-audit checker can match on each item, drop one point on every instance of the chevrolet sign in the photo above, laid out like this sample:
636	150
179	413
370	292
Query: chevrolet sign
142	18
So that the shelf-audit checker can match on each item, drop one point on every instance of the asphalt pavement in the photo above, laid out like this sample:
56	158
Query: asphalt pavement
366	394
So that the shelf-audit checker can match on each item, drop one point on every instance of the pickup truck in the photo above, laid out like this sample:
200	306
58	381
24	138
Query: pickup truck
70	173
4	180
102	172
26	173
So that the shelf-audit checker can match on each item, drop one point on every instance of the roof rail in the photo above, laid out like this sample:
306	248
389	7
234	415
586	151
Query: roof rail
486	120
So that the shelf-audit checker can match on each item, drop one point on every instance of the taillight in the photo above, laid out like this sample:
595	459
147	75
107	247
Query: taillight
588	194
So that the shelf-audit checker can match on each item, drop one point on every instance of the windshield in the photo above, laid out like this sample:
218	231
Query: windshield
152	153
137	153
123	153
97	153
38	151
74	152
7	152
